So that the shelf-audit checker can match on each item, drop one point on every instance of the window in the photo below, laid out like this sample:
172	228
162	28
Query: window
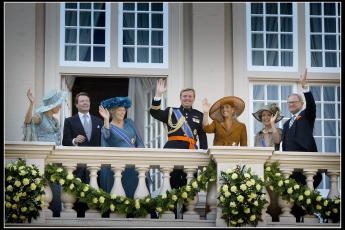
272	36
323	36
143	35
327	128
84	34
263	94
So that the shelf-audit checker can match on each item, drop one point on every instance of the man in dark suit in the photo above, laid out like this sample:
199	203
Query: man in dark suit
298	133
82	129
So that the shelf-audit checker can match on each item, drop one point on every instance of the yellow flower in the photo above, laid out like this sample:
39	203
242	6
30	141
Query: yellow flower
287	181
277	174
233	188
232	204
234	176
86	188
174	197
164	196
127	202
308	201
247	210
26	181
33	186
69	177
249	183
194	184
33	172
23	172
198	178
271	187
95	200
307	192
14	216
240	198
137	205
82	194
9	178
17	183
335	210
16	198
252	218
280	183
243	187
37	181
225	188
268	169
325	203
233	222
101	199
300	197
113	196
8	205
184	195
78	179
318	198
9	188
337	201
52	178
222	198
158	209
256	203
240	221
252	195
59	170
328	213
112	207
227	194
229	171
171	206
61	181
258	187
318	207
22	217
188	188
71	187
247	175
235	212
24	209
253	181
296	186
14	206
262	178
290	190
204	169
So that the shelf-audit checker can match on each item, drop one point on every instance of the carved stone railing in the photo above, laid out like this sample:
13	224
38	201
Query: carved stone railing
165	160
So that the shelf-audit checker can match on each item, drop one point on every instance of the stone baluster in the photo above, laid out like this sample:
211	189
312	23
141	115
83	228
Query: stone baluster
48	197
166	187
191	214
310	173
67	198
142	191
286	216
93	213
334	191
117	188
264	215
211	200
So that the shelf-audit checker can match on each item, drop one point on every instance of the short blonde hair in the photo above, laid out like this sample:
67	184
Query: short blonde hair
300	98
187	89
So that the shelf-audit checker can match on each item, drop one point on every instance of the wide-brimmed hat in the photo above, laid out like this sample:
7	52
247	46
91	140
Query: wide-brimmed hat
52	99
235	102
272	108
116	102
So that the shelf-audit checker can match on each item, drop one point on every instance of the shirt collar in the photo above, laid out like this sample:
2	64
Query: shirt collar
81	115
185	109
296	114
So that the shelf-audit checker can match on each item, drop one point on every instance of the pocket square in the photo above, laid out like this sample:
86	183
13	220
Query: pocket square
97	126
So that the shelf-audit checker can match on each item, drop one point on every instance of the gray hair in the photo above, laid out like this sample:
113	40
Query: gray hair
300	98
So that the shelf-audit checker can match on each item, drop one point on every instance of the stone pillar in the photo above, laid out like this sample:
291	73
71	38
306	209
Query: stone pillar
310	173
264	215
68	199
48	197
211	200
166	187
93	213
117	188
286	216
191	214
334	191
142	190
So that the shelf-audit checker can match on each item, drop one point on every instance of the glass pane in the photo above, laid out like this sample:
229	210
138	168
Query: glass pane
157	6
271	24
257	41
272	58
99	19
329	93
286	41
271	8
330	145
99	36
257	105
258	58
272	92
329	9
285	8
142	37
128	54
316	59
286	24
128	37
84	53
85	5
330	25
85	36
128	6
316	91
286	90
315	8
99	54
128	20
318	141
70	36
157	20
318	110
143	20
157	38
285	110
70	18
271	40
143	6
143	55
257	23
316	42
331	59
256	8
317	128
85	18
329	110
330	128
338	93
287	59
71	6
70	53
99	6
258	92
156	55
315	25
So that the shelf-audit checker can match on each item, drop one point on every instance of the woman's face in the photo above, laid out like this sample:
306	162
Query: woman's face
227	110
56	109
118	112
266	117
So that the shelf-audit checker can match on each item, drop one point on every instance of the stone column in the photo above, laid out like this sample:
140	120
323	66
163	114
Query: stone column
191	214
93	213
211	200
310	173
334	191
166	187
68	199
142	190
286	216
264	215
117	188
48	197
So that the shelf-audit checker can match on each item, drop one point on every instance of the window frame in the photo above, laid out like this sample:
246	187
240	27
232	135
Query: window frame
107	47
279	68
165	46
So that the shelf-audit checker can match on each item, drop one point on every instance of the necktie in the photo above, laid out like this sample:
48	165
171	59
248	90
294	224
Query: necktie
292	120
87	126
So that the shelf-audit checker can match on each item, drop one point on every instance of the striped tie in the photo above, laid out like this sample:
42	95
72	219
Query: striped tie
292	120
87	127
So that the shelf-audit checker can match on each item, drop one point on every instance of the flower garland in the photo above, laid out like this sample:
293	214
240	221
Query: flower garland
24	192
241	197
311	201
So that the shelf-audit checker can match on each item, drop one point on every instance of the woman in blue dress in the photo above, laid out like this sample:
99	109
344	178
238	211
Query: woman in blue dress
120	132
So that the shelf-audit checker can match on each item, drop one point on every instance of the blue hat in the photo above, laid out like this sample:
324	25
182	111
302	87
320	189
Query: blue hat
116	102
52	99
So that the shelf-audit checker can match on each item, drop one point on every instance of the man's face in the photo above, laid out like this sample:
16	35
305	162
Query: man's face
83	104
294	104
187	99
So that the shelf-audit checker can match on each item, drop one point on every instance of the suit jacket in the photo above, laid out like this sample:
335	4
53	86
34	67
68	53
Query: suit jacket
73	127
302	129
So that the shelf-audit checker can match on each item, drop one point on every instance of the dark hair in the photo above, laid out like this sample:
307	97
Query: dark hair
80	94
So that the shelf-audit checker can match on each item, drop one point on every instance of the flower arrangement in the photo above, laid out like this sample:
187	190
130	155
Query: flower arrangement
311	201
24	192
241	197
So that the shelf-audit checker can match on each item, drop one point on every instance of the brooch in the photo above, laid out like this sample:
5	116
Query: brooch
298	117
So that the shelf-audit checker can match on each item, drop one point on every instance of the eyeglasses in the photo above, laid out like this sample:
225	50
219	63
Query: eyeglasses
292	102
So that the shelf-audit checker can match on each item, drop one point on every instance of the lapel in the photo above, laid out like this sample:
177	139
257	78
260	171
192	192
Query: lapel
233	127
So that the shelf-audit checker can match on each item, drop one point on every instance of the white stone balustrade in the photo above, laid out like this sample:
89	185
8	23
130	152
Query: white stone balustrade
67	198
191	214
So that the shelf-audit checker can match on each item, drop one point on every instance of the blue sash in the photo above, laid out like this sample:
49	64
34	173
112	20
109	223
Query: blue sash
186	128
119	133
262	142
